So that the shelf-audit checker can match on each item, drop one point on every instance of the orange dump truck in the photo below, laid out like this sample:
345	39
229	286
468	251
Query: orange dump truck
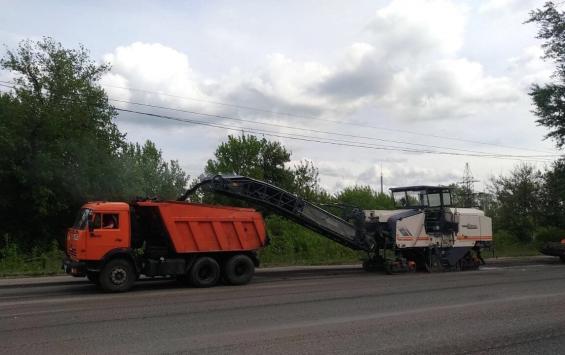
113	243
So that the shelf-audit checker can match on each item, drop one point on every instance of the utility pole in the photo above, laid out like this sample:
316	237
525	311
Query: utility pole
468	187
382	190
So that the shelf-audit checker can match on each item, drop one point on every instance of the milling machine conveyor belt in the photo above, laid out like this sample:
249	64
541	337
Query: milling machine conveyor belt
288	205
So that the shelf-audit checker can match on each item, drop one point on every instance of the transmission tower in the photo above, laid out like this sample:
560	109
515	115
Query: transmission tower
468	187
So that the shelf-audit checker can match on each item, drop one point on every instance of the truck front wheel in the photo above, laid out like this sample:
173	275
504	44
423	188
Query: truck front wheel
205	272
239	270
117	276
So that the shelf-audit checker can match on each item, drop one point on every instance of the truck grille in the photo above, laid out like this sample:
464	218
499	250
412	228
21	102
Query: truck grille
72	252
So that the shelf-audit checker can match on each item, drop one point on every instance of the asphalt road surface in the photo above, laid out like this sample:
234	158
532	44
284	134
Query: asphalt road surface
505	308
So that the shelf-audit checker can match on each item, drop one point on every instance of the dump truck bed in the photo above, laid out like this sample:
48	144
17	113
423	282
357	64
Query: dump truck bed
195	228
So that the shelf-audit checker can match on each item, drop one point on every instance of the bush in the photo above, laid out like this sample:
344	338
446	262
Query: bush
509	244
503	238
293	244
14	262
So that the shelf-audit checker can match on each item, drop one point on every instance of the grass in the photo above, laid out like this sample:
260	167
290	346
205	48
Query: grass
513	250
38	262
291	244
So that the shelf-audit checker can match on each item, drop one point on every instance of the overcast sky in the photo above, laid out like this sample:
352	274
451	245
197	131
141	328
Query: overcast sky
392	76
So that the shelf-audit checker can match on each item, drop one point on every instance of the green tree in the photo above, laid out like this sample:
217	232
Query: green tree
553	195
147	174
518	201
306	182
365	198
59	140
549	99
249	156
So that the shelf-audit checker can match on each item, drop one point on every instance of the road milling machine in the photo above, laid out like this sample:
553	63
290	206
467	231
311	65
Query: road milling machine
424	232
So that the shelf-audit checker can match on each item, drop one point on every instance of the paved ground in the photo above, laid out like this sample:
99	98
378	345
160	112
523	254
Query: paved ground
508	307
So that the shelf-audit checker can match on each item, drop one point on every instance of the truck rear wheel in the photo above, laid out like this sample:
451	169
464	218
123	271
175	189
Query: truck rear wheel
117	275
239	270
205	272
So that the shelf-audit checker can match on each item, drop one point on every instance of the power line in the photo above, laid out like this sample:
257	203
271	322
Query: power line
309	138
358	124
312	130
326	141
322	119
308	129
270	133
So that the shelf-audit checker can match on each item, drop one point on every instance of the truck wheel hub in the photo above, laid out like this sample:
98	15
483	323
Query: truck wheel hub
205	273
240	269
118	276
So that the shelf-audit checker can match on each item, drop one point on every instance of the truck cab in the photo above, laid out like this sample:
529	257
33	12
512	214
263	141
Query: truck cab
98	228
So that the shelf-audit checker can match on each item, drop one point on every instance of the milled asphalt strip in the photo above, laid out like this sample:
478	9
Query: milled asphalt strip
140	295
236	335
218	291
504	262
330	321
338	320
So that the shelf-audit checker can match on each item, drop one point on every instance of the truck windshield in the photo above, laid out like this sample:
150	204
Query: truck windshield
81	221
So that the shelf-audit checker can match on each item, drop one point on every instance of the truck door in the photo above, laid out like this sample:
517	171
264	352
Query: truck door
109	231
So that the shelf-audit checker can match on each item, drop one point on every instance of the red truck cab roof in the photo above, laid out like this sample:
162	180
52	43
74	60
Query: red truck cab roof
106	206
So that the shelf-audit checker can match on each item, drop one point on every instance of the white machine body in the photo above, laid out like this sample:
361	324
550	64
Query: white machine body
471	226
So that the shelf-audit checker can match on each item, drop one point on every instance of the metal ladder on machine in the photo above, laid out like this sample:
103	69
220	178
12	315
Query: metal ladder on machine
287	204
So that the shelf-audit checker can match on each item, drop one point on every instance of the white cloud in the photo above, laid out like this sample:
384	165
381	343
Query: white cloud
151	63
498	6
396	172
116	85
447	88
408	29
361	74
281	83
410	68
529	68
406	175
158	68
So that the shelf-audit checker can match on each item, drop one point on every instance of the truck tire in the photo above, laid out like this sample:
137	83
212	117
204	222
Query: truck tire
205	272
239	270
117	275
